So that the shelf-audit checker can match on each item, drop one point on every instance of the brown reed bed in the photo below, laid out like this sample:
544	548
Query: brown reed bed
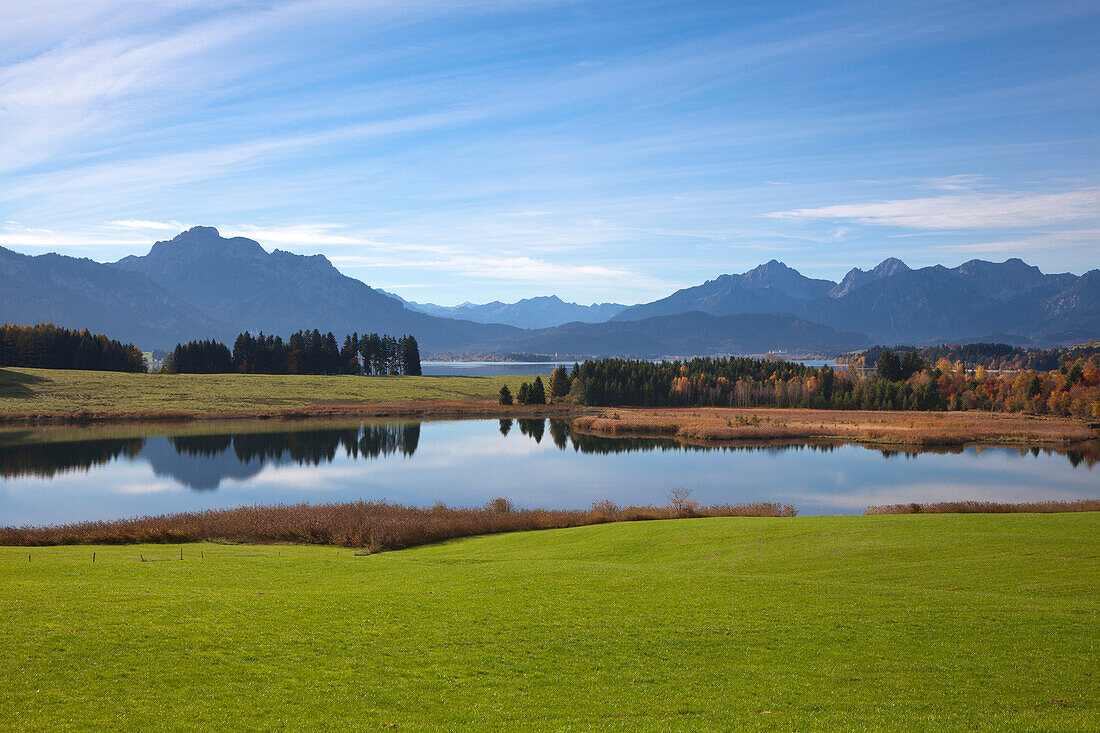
988	507
371	526
718	424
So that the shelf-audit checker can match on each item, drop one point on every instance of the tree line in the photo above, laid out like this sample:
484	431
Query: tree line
47	346
305	352
1001	357
536	393
900	382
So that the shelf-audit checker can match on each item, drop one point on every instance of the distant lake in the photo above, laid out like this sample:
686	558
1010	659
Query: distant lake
55	475
490	368
524	368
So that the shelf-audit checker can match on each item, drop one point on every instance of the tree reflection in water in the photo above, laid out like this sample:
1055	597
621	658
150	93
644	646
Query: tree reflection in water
202	462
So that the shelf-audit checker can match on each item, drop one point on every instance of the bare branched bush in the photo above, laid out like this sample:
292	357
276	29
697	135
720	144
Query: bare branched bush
372	526
501	505
681	503
606	506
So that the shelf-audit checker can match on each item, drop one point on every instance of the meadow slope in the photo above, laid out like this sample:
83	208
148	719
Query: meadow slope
918	622
62	392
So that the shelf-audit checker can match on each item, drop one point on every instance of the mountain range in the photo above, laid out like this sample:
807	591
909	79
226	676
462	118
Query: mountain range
892	303
544	311
202	285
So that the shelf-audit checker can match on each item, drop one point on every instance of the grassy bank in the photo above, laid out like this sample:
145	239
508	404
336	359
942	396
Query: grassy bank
926	622
58	393
371	526
708	425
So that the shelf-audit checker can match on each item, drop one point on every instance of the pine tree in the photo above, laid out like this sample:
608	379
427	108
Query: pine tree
559	383
410	356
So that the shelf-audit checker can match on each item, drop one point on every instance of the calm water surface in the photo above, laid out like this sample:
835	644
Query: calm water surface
489	368
521	368
67	474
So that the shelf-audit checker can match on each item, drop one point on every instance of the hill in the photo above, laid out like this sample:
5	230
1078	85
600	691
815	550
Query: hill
80	293
687	334
202	285
770	288
280	292
978	300
914	622
531	313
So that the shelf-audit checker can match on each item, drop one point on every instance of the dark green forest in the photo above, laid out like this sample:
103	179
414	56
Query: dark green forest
47	346
305	352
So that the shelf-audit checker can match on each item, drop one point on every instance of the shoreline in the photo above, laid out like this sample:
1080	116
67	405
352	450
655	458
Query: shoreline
718	426
414	409
37	397
691	426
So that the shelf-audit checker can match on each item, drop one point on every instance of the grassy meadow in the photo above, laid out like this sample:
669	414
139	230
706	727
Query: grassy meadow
63	392
906	622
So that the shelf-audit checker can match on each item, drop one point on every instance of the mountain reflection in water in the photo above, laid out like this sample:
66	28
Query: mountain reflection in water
203	462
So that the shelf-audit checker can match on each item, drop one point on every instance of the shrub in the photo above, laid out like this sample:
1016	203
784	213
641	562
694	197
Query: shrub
372	526
501	505
681	503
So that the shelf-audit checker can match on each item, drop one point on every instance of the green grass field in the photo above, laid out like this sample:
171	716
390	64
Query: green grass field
60	391
945	622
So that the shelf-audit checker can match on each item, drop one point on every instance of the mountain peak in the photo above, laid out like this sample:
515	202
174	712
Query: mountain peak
771	267
890	266
791	282
205	243
857	278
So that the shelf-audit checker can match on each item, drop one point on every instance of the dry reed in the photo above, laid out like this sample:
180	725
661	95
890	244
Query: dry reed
919	429
372	526
988	507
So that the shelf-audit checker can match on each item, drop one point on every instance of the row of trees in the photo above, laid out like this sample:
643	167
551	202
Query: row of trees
305	352
611	382
535	393
905	382
1000	357
47	346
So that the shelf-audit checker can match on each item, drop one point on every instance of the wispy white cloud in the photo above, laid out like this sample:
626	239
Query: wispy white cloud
1085	241
517	268
14	235
957	182
145	225
964	211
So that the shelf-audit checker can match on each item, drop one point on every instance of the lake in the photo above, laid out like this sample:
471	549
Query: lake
526	368
56	475
489	368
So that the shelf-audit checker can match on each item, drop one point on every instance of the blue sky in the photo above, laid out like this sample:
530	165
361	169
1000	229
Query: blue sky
476	150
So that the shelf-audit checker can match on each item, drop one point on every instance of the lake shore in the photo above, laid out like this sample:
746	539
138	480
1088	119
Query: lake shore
58	396
709	425
62	397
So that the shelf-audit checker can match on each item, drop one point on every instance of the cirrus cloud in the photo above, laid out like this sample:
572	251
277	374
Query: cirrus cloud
964	211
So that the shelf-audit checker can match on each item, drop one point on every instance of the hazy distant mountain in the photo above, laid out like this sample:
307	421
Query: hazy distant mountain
80	293
769	288
895	304
539	312
201	285
962	304
687	334
281	292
